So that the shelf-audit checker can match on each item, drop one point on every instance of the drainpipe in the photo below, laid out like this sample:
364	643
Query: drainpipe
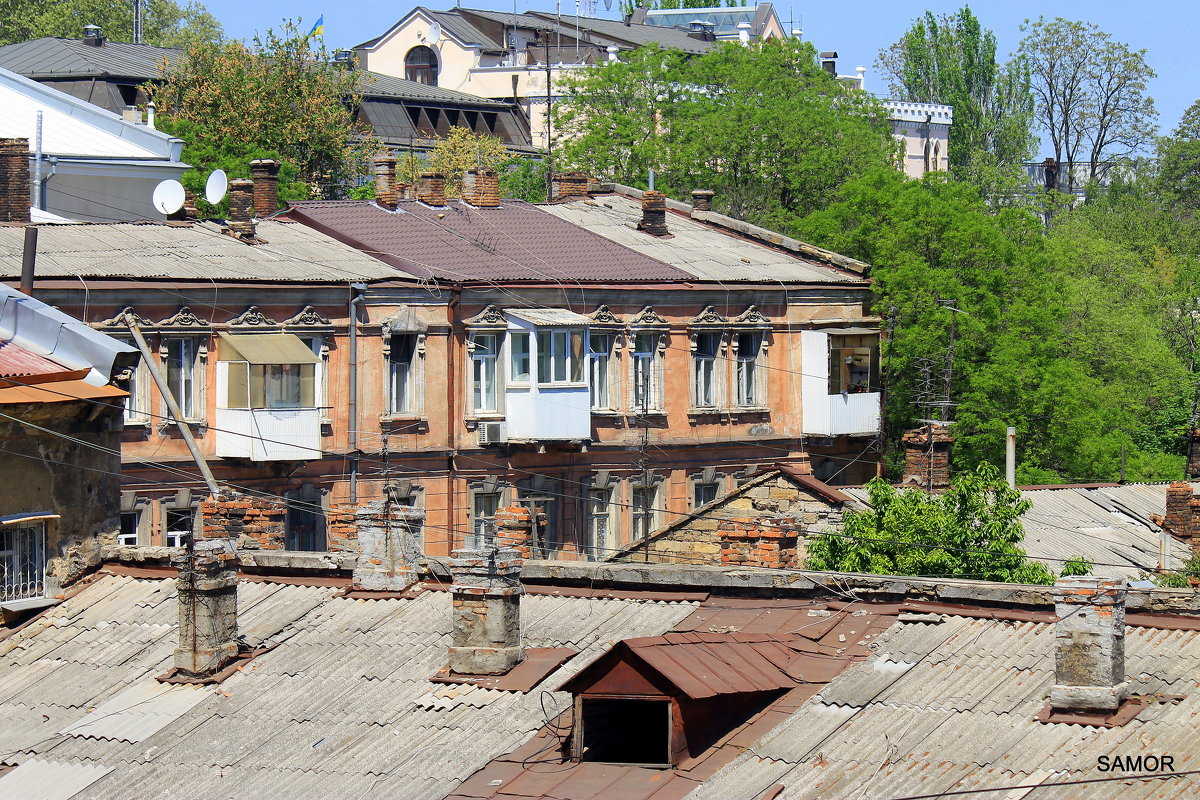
53	171
37	165
452	415
356	296
173	408
1010	458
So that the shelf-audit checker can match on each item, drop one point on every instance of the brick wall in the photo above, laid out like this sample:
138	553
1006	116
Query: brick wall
569	184
254	523
760	542
14	180
1193	462
760	506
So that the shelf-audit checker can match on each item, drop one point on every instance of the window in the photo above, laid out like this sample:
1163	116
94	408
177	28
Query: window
626	730
421	65
320	373
282	386
181	375
180	525
560	356
599	356
704	493
704	359
518	349
483	519
305	523
645	372
136	382
22	561
400	373
853	363
749	346
644	512
131	521
599	522
483	372
278	386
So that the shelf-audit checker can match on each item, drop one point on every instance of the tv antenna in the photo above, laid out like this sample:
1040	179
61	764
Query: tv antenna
168	197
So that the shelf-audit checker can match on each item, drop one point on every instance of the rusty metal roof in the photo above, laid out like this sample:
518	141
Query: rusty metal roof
516	242
17	362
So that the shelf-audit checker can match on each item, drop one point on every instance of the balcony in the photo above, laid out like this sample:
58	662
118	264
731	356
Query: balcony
842	414
840	367
269	434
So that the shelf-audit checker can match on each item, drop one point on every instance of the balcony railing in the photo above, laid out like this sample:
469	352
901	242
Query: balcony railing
269	434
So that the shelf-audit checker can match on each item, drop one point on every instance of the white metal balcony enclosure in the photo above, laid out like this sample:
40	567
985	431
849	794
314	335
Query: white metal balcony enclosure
22	561
840	393
266	398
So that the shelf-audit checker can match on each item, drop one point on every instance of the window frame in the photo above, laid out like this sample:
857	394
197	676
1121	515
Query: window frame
479	365
169	534
706	377
644	516
401	373
305	503
755	397
600	374
646	371
598	510
561	352
482	526
418	72
840	379
21	554
189	394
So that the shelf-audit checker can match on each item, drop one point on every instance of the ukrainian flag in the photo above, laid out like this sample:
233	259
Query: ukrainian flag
319	28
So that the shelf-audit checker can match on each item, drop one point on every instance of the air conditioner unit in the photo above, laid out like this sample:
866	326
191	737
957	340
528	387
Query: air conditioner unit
492	433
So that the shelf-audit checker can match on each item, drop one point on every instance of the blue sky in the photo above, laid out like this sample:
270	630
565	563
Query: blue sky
1166	29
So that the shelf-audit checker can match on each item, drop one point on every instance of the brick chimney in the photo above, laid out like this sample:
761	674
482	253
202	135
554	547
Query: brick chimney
514	529
927	466
14	180
1089	644
1193	454
389	545
486	597
207	590
265	172
241	206
654	213
568	184
481	188
702	199
432	189
386	191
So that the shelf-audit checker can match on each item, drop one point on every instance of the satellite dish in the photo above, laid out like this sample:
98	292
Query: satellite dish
168	197
216	187
434	34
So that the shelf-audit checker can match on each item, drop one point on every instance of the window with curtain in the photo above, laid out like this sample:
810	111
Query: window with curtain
599	358
400	373
704	361
483	519
646	372
483	372
749	347
599	519
559	356
182	381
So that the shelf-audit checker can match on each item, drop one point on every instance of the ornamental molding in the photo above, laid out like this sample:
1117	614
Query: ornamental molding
125	318
252	317
751	318
490	317
183	318
708	318
308	318
602	317
647	318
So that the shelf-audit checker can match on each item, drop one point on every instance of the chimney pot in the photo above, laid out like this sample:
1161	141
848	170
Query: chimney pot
654	213
265	173
702	199
241	203
569	184
385	182
1089	644
207	591
15	198
481	188
93	35
486	598
432	189
926	465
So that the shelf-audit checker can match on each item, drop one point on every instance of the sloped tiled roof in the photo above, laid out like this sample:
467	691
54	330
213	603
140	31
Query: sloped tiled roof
634	35
516	242
376	84
197	252
703	251
56	57
950	707
342	706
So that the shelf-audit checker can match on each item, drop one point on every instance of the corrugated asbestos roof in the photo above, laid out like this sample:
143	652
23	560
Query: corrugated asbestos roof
189	252
950	707
701	250
516	242
1106	525
340	707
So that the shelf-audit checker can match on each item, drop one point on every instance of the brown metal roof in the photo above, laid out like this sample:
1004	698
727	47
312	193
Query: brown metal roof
515	242
17	362
708	664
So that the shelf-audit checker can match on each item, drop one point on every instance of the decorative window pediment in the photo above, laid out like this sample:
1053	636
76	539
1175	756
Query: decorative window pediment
126	317
308	318
647	318
183	318
490	318
602	317
252	317
751	318
708	318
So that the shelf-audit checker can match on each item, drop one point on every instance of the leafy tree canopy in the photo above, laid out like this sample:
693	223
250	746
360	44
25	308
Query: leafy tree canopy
973	530
165	23
1179	162
280	94
763	126
951	59
460	150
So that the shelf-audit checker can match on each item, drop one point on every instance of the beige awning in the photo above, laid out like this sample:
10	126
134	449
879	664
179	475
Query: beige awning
266	348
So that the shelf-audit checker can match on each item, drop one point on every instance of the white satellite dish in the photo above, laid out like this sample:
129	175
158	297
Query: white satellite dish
216	187
168	197
434	34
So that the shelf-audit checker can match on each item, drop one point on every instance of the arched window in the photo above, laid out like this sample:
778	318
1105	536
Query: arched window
421	65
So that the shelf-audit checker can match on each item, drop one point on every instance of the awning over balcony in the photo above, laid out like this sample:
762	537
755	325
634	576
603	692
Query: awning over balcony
266	348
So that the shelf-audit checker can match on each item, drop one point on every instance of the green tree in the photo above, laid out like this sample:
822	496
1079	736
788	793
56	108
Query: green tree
165	23
763	126
281	94
1091	93
1179	162
951	59
973	530
462	149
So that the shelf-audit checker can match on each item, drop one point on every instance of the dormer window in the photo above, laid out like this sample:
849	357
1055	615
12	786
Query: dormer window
421	65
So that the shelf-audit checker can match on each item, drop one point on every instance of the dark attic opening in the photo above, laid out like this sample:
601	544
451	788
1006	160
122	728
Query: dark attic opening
617	730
